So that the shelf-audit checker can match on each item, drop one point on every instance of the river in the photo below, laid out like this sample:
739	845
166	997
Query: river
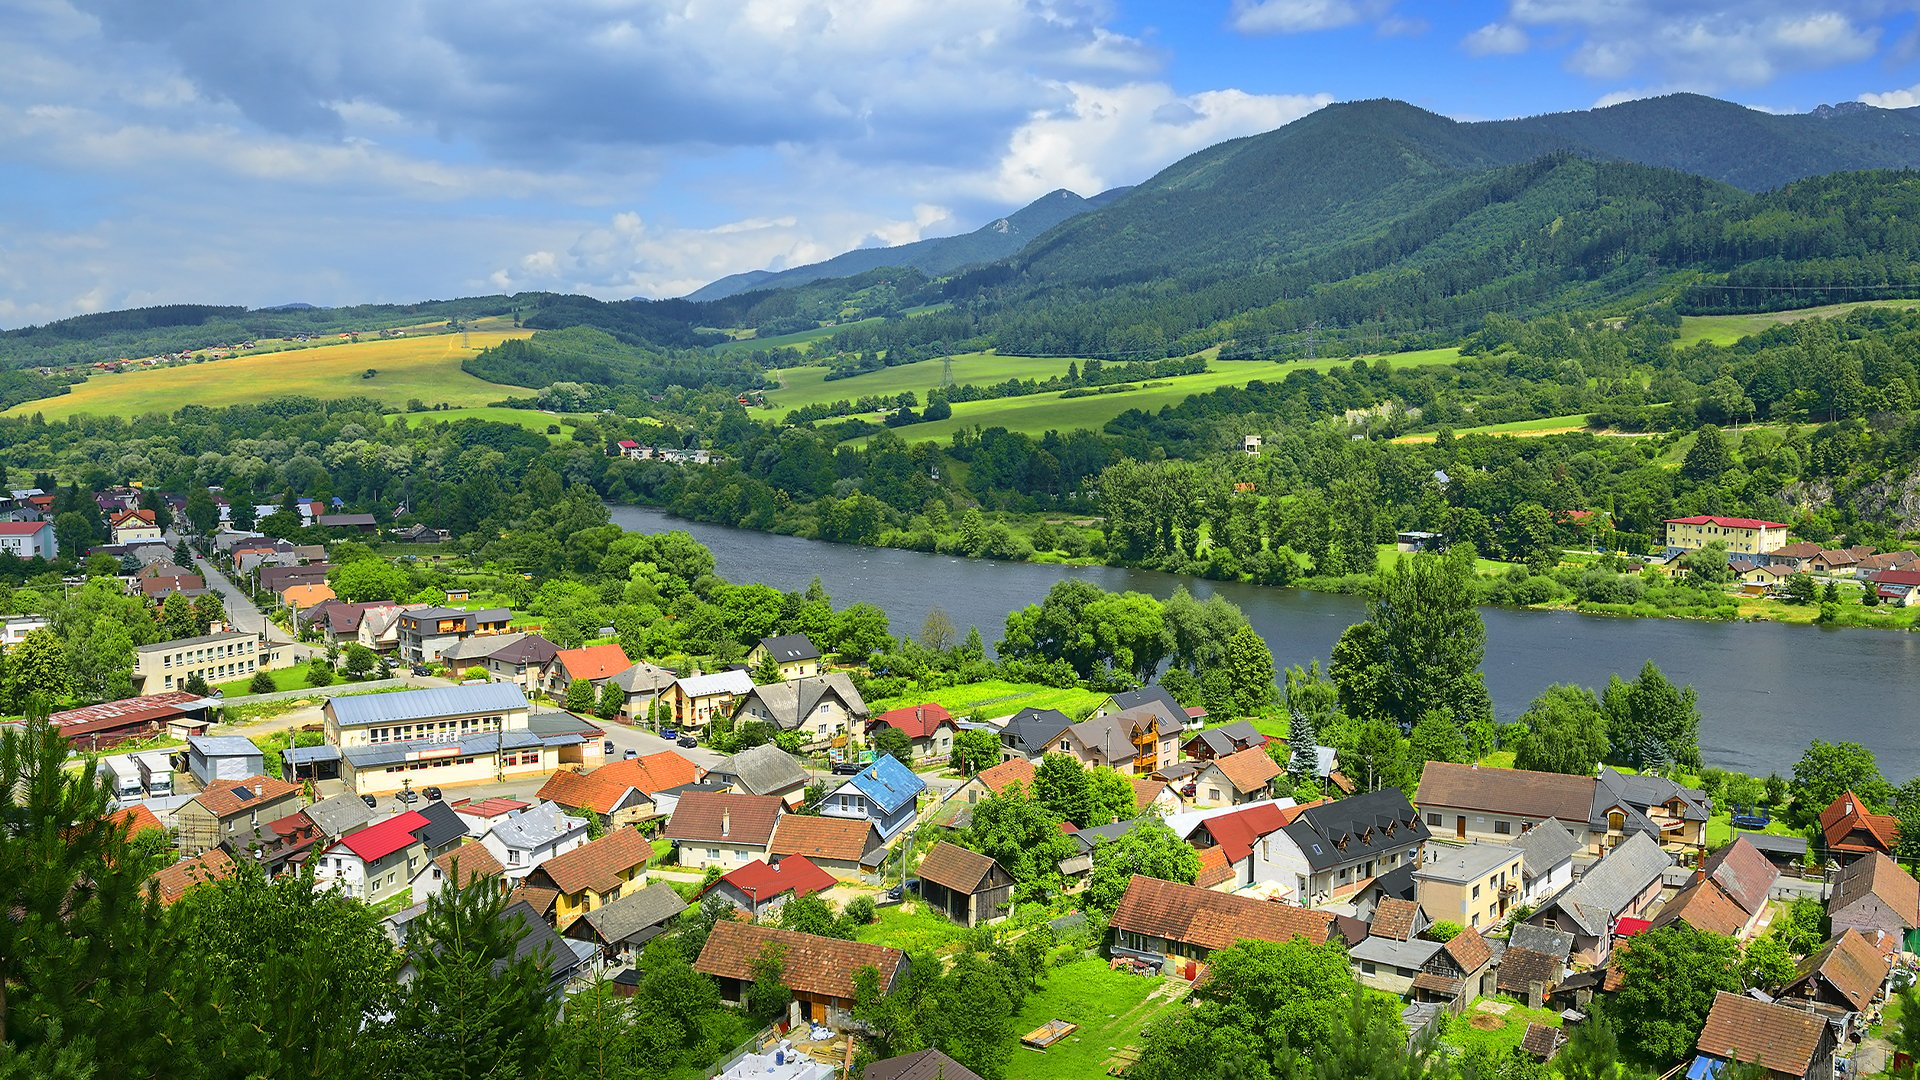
1766	689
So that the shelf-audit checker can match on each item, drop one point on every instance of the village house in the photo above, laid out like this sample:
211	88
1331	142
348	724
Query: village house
1135	742
1462	968
229	807
522	661
1897	588
1846	974
170	883
1474	803
929	729
1849	831
1874	896
1159	794
886	793
840	845
922	1065
1223	740
956	810
465	864
760	889
590	794
1152	699
278	846
1474	886
1031	733
818	970
1241	777
594	664
1794	558
481	814
820	708
1328	851
723	829
1730	897
1742	536
536	940
475	734
29	539
593	874
1535	960
1390	965
1241	845
622	928
443	831
642	684
376	862
302	597
215	658
278	579
94	727
762	770
796	656
694	701
1546	866
135	526
425	633
1788	1043
523	839
1625	882
965	886
1835	562
1180	925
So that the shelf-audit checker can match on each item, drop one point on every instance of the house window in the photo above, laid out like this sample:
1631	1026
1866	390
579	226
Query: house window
1476	892
513	857
1433	819
1213	794
713	853
1503	827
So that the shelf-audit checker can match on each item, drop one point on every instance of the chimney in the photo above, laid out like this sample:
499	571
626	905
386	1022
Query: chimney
726	824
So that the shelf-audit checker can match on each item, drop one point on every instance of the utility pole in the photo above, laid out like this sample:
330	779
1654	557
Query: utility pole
1313	340
946	371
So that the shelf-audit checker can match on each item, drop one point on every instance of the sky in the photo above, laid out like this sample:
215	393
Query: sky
239	152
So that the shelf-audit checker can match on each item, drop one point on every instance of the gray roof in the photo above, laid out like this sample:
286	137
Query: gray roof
762	770
222	746
479	648
1031	730
644	678
1795	846
204	639
1361	823
308	755
1596	899
1546	845
1460	865
1405	954
526	650
1540	939
1153	697
382	754
792	701
1397	882
541	823
1639	792
339	815
1227	738
786	648
363	709
443	825
1090	838
635	912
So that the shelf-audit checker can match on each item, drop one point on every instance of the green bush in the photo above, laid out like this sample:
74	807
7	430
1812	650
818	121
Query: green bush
261	683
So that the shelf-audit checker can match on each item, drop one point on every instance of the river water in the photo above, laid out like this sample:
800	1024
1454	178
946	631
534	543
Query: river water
1765	689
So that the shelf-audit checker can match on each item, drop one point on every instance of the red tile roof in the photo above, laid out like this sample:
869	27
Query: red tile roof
1704	907
1850	964
594	661
225	798
173	882
1236	833
916	721
1214	869
1880	877
584	791
652	773
761	882
1779	1038
1394	918
138	818
597	866
1848	814
999	778
23	528
1248	770
742	820
1727	522
473	861
488	808
839	839
1145	790
381	839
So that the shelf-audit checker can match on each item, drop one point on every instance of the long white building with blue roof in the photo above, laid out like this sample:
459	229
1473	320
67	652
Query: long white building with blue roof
447	736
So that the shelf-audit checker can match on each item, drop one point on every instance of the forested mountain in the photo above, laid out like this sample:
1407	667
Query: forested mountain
934	256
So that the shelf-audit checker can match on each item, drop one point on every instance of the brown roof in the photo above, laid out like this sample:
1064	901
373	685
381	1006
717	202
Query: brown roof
224	798
1519	967
1214	868
745	820
599	864
173	882
923	1065
138	818
1850	964
1145	791
539	898
956	867
651	773
1704	907
1744	873
1439	984
1393	918
1006	774
1541	1040
1804	549
1846	814
584	791
1469	950
475	862
842	839
1876	875
1248	770
1513	791
1776	1037
1212	920
809	964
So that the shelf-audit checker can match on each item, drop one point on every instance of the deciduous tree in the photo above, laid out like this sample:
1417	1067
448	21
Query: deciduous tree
1149	849
1669	978
1564	730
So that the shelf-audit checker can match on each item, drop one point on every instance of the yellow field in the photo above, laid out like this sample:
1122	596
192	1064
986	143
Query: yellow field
427	368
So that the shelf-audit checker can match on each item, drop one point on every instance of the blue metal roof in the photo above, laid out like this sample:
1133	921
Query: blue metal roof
363	709
888	784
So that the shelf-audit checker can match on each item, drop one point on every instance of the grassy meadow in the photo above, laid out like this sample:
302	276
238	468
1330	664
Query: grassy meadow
1727	329
531	419
427	368
1111	1008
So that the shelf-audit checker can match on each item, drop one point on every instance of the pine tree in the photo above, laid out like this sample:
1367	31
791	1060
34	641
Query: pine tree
1302	738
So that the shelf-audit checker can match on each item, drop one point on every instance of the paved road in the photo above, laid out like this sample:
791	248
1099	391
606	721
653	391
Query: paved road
244	614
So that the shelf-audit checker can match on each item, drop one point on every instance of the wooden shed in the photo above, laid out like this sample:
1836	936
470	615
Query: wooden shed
966	886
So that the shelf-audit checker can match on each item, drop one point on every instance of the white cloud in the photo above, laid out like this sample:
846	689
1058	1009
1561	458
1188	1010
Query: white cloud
1496	39
1894	99
1703	44
1306	16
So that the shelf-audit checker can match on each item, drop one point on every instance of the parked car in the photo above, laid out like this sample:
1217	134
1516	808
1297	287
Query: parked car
669	734
371	802
407	795
847	768
422	669
433	793
631	754
688	740
606	746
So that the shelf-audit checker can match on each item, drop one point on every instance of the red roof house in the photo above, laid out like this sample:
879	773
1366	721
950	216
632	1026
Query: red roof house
382	839
760	889
1849	831
595	663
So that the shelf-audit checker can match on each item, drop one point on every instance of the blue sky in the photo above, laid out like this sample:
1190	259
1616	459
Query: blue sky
232	151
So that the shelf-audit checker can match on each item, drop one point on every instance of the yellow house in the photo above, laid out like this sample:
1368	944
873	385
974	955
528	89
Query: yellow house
1472	885
694	701
1742	536
796	655
593	875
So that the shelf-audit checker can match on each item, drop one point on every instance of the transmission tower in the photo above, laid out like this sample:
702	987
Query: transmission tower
1313	341
946	371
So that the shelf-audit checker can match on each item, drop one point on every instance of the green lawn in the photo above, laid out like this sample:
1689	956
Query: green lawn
996	697
531	419
802	337
1499	1032
1727	329
288	678
919	930
1111	1008
803	386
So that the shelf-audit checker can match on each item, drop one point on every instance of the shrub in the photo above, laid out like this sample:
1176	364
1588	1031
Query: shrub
261	683
859	911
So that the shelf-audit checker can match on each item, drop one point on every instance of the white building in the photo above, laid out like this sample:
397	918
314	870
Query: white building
29	539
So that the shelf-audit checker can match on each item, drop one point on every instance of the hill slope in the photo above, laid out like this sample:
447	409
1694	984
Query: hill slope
935	256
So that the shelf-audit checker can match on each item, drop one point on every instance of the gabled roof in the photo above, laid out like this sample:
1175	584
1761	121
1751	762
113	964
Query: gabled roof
1611	884
852	840
225	798
762	770
1248	770
924	1065
790	702
956	867
483	647
1212	920
1545	846
1356	828
1032	731
741	820
138	819
651	773
887	784
597	865
588	791
1506	791
1468	950
471	861
809	964
1394	918
1226	738
644	678
1155	699
1880	877
999	778
535	826
593	662
635	912
916	721
736	683
1744	873
1704	907
171	883
443	825
1520	967
1779	1038
1214	868
761	881
1639	793
789	648
1541	939
1146	790
1849	964
1847	814
1236	833
1412	954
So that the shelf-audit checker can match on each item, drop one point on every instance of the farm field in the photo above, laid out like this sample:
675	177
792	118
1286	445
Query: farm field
1727	329
799	337
1040	413
531	419
803	386
1546	425
427	368
996	697
1110	1007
